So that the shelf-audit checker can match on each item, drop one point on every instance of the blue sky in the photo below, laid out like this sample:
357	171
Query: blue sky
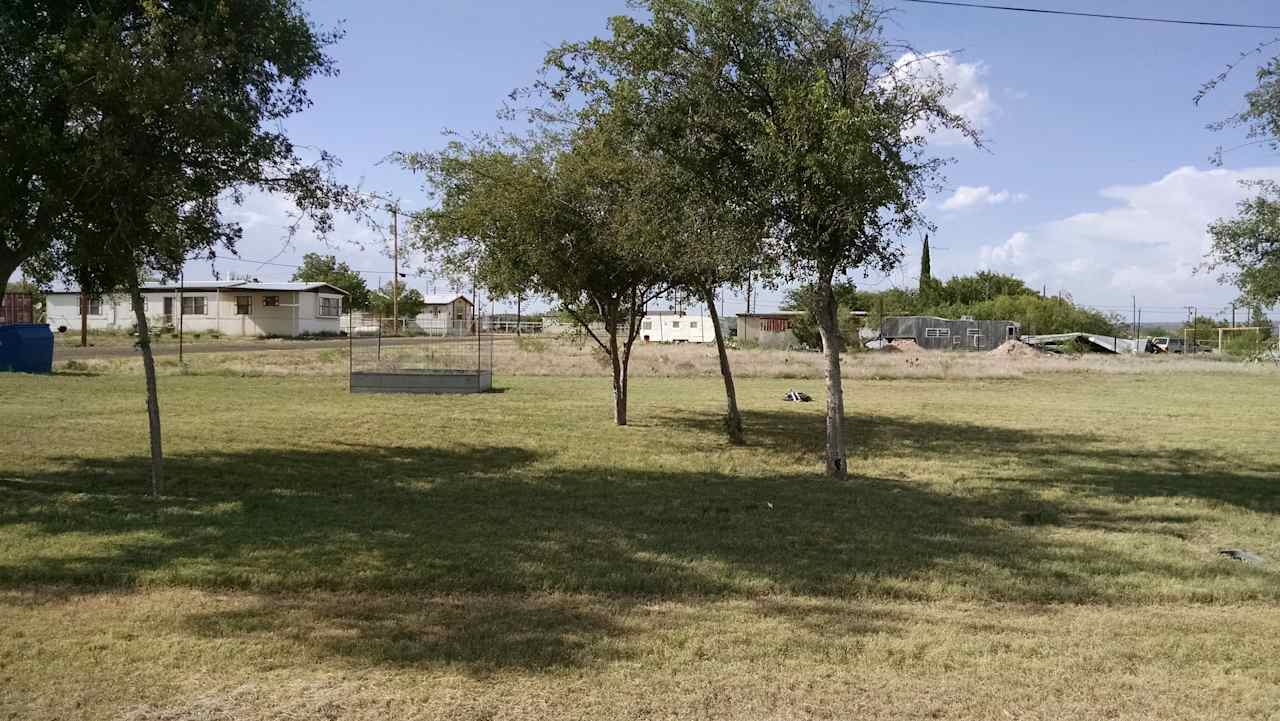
1096	179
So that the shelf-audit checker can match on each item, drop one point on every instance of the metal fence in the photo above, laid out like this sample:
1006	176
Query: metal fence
397	357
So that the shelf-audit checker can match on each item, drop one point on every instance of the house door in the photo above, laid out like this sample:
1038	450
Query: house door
168	311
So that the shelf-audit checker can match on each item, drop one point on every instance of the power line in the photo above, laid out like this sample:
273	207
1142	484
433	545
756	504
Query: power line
1101	16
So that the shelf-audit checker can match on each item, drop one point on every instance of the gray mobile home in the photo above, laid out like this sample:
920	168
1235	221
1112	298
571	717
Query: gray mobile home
935	333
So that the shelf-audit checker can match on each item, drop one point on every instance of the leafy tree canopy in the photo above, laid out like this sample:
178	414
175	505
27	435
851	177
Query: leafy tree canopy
318	268
410	304
1245	250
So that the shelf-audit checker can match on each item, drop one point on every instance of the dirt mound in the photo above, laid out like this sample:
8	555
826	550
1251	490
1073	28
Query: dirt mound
906	345
1014	348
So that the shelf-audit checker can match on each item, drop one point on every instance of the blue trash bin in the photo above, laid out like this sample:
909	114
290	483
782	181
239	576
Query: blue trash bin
26	348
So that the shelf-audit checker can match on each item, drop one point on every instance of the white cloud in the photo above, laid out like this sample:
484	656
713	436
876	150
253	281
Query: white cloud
967	196
1148	243
970	96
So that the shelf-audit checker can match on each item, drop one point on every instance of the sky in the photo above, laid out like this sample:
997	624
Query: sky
1094	178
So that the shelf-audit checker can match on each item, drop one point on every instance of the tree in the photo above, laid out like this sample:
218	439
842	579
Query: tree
807	121
411	302
40	138
318	268
1245	250
177	107
559	216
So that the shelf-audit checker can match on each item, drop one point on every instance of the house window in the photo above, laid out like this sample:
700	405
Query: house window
435	311
330	307
95	306
937	332
270	301
193	305
244	305
646	325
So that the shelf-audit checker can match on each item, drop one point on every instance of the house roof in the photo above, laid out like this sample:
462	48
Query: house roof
206	285
445	298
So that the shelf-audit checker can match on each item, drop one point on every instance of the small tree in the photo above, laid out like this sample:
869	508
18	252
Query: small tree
411	302
177	107
808	121
318	268
560	217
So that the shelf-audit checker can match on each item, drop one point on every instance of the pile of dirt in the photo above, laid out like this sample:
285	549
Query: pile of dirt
1014	348
906	345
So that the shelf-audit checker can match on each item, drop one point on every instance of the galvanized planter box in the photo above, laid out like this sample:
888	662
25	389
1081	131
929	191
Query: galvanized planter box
422	382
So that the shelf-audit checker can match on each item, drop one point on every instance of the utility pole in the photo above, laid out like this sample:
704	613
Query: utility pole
519	315
1233	315
395	275
1137	329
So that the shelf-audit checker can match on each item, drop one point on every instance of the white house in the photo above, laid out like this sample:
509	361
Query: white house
235	307
445	314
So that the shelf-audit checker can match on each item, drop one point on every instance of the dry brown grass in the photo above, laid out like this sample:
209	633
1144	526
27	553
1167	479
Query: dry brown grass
237	657
564	358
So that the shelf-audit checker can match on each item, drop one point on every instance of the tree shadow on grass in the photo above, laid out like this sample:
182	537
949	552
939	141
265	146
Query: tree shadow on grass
1082	460
496	557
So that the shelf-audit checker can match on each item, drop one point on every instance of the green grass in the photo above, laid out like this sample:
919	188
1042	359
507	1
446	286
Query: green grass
1041	547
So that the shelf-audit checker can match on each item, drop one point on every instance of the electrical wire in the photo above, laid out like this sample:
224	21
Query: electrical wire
1099	16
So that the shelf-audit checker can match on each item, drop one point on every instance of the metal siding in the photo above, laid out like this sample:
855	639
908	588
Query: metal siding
993	332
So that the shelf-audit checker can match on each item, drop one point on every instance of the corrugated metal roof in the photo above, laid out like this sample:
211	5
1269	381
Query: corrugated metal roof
444	298
192	286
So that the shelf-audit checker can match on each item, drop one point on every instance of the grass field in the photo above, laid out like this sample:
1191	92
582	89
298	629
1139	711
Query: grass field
1036	545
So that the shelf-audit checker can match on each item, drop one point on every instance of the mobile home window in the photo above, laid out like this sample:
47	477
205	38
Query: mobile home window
937	332
693	324
270	301
330	307
646	325
675	324
975	331
193	305
244	305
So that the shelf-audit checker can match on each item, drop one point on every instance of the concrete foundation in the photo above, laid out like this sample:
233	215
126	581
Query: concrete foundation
422	382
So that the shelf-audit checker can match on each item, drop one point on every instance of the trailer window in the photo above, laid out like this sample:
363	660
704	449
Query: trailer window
937	332
193	305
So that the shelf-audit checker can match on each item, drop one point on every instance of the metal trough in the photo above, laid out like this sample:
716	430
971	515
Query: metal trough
422	382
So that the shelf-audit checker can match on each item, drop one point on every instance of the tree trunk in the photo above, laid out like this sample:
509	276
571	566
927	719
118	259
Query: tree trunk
8	264
829	330
732	419
153	402
619	377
